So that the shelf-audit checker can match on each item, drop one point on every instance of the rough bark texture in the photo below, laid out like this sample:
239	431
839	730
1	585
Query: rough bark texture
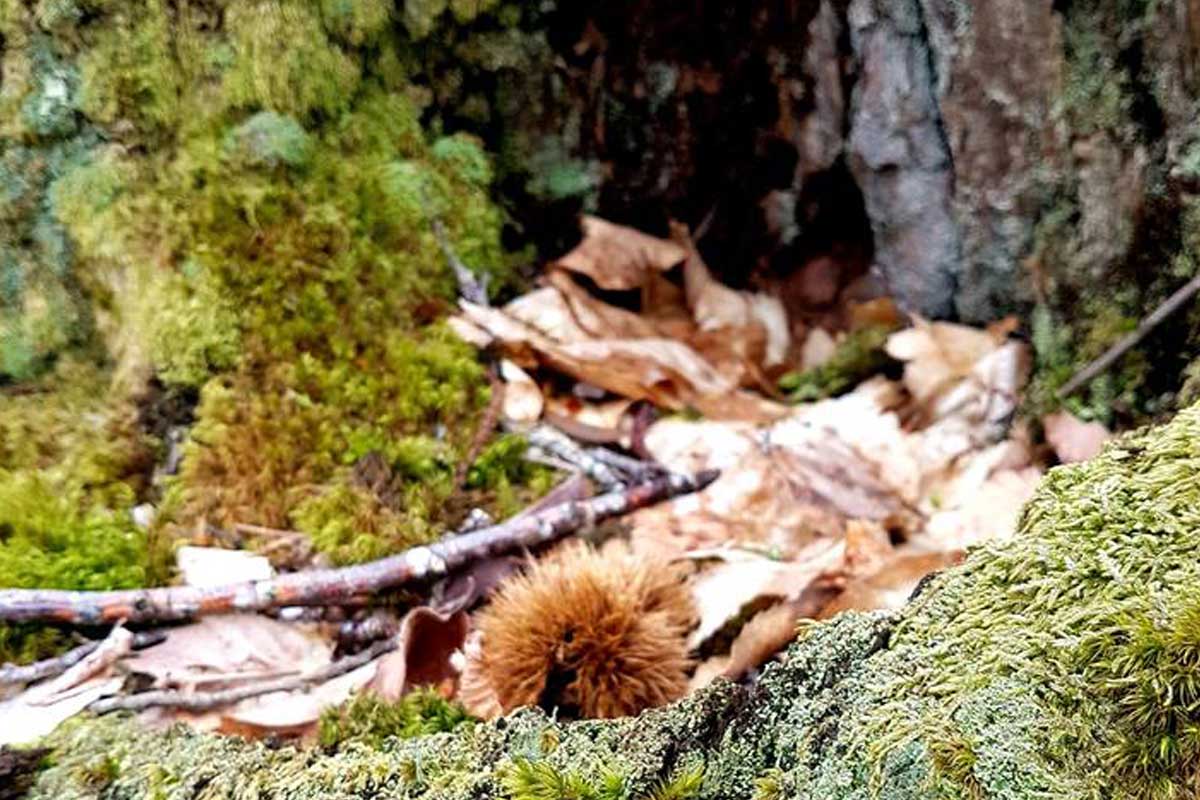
1042	667
984	158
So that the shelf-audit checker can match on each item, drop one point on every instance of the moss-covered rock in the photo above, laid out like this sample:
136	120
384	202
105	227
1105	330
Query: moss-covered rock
1058	664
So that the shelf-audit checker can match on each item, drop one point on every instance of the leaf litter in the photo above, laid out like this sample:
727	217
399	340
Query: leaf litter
845	502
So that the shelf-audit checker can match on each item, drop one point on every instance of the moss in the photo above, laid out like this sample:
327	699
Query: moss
371	720
859	355
268	140
1058	664
284	61
73	462
131	72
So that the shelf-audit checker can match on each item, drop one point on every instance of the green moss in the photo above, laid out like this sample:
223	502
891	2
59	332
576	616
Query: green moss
72	464
371	720
130	73
269	140
858	356
284	61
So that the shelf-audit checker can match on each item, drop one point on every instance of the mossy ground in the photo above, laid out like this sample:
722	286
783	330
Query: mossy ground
1059	664
234	201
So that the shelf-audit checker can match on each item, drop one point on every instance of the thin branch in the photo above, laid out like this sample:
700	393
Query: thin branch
206	701
487	426
558	445
470	286
115	646
48	668
634	470
1156	317
334	586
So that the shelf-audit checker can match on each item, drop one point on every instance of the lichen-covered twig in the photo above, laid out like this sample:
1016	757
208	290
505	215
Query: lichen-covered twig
40	670
470	288
634	470
333	586
206	701
559	446
1149	323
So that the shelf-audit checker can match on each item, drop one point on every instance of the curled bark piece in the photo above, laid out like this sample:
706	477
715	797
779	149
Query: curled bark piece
334	586
206	701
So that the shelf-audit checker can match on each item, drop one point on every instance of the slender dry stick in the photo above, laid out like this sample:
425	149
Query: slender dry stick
558	445
1166	309
470	287
206	701
487	426
334	586
47	668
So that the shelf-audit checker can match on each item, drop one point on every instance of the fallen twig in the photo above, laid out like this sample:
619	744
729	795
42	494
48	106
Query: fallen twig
487	425
470	287
633	469
559	446
48	668
206	701
115	646
1149	323
334	586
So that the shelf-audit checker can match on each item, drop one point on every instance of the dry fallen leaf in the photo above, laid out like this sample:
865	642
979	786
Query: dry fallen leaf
666	372
285	714
762	637
214	566
475	690
937	354
618	257
39	709
724	592
25	722
1073	439
716	307
818	348
231	649
990	514
523	400
892	585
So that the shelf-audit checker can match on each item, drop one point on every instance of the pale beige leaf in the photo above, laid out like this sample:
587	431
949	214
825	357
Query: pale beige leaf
469	332
707	672
214	566
937	354
618	257
990	514
726	591
475	691
285	714
523	401
715	306
232	649
97	664
722	592
1073	439
25	722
